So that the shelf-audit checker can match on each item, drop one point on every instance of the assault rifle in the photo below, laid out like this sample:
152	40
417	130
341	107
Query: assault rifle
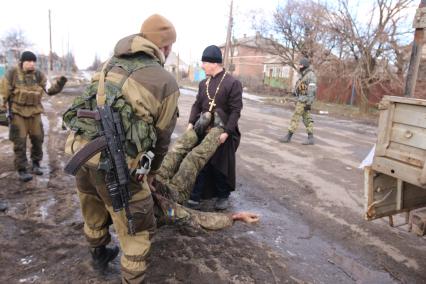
110	141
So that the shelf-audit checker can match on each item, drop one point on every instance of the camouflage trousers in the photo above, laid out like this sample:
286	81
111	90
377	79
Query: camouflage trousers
185	160
169	212
306	117
20	128
98	215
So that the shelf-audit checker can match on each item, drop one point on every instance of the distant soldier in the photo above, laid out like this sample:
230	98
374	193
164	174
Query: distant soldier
305	91
22	90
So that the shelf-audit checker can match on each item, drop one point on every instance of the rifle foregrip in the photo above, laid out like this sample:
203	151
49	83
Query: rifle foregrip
85	154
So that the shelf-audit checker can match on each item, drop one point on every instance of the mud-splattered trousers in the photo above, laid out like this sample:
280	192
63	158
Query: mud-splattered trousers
178	170
185	160
306	116
98	215
20	128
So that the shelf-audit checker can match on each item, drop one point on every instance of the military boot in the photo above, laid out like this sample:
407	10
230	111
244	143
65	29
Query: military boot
222	204
218	121
287	138
24	176
202	123
102	255
310	140
36	169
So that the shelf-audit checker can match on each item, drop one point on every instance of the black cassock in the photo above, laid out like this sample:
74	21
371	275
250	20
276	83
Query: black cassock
229	103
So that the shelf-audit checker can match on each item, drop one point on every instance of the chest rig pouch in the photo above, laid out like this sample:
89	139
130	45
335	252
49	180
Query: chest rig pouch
27	90
140	135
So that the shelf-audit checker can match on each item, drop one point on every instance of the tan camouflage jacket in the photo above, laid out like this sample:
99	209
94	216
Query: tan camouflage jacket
152	91
25	90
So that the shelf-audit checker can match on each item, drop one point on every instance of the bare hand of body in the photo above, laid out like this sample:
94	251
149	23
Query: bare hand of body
190	126
246	217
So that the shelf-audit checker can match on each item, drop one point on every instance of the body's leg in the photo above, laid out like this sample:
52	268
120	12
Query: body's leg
174	157
184	179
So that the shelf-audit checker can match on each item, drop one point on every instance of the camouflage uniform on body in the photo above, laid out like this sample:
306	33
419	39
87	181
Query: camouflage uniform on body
136	70
185	160
25	89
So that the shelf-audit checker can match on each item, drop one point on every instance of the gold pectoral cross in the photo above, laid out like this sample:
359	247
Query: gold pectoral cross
212	105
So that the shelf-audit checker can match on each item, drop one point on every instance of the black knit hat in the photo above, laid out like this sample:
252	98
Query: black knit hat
28	56
304	61
212	54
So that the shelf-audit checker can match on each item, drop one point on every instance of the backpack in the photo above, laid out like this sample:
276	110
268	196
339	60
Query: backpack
140	135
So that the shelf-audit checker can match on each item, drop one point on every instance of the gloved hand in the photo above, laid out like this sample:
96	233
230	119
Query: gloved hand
307	107
62	81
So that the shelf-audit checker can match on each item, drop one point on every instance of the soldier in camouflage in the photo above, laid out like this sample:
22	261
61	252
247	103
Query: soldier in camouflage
305	91
22	90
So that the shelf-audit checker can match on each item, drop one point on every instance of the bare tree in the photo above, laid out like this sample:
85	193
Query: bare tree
14	41
300	29
356	43
372	45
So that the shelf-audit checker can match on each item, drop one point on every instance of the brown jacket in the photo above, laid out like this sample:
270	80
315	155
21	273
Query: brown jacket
25	90
152	91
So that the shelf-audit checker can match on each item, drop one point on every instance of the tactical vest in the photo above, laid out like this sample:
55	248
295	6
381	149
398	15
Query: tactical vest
26	93
140	135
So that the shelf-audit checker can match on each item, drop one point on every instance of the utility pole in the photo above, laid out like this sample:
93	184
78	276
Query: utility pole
228	43
177	67
50	40
416	52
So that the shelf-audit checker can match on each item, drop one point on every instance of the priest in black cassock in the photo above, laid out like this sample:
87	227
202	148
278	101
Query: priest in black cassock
221	94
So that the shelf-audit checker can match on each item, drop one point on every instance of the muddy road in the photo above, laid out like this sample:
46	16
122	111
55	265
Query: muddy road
310	199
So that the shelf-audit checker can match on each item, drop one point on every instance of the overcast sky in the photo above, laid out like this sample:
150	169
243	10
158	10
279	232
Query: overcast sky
93	27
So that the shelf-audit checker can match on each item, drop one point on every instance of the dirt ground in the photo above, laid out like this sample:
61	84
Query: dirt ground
310	199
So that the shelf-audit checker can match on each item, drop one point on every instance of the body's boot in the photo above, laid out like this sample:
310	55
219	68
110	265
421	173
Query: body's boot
217	122
102	255
202	123
36	168
222	204
287	138
310	140
24	176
